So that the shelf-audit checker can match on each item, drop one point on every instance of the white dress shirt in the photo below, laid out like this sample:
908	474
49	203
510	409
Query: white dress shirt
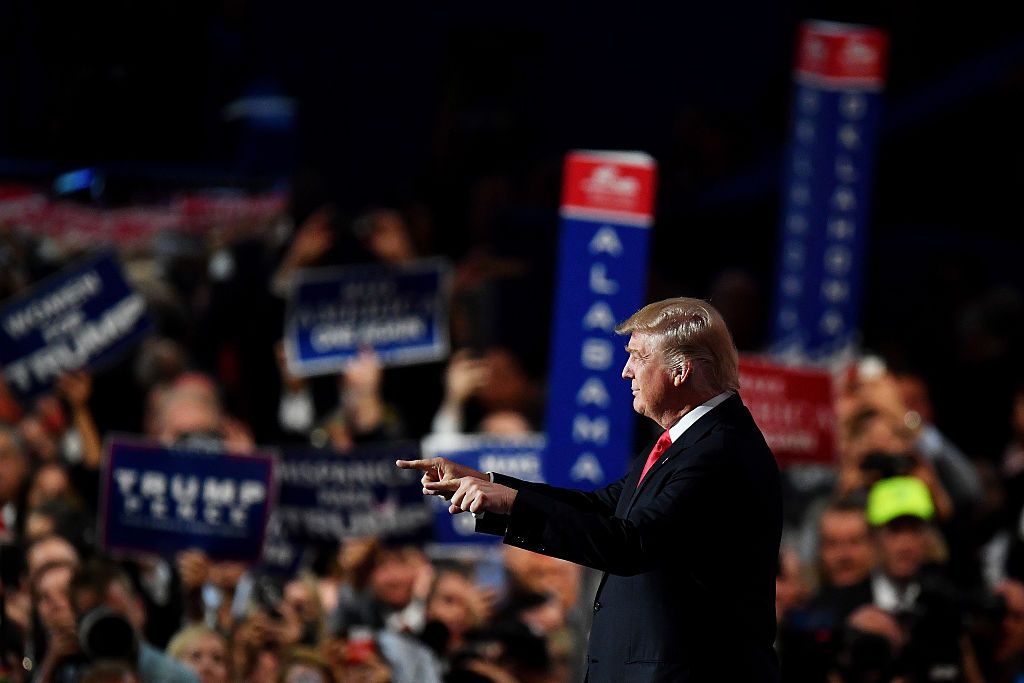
686	421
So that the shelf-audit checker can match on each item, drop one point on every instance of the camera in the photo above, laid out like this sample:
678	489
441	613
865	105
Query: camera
106	634
887	465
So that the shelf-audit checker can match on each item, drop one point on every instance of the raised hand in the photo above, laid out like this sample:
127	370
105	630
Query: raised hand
469	494
438	470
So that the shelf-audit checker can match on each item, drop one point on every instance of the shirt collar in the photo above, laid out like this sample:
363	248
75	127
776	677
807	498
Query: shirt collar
686	421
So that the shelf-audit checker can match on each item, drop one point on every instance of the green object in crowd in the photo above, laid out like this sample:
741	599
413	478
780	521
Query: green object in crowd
897	497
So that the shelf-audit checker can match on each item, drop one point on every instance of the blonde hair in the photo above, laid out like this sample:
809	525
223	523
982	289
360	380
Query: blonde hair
184	638
690	330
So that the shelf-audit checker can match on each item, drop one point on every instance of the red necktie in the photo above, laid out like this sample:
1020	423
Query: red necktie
664	441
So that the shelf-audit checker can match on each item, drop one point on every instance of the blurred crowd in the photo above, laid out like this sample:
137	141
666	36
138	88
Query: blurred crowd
904	561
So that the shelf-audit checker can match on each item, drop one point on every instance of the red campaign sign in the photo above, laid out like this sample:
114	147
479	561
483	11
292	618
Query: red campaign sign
845	54
794	409
609	185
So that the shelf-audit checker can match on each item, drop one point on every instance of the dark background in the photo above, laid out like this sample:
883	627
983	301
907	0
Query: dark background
459	114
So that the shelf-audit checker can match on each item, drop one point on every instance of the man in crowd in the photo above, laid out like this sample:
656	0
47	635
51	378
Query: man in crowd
811	636
689	538
908	583
99	584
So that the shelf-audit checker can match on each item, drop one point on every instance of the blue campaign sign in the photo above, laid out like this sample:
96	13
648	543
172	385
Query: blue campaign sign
399	311
85	316
518	456
160	501
607	205
326	496
839	78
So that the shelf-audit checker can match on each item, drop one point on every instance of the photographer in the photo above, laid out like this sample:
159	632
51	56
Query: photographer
875	448
110	621
910	585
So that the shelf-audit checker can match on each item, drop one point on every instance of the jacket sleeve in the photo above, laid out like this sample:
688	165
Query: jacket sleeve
593	537
601	501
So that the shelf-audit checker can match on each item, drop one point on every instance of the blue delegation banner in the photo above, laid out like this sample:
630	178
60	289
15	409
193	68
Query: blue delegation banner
85	316
607	211
837	103
401	312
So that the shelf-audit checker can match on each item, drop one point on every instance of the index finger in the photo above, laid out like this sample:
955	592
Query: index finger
447	485
415	464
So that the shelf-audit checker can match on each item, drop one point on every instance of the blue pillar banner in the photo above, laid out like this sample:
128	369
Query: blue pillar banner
607	211
839	77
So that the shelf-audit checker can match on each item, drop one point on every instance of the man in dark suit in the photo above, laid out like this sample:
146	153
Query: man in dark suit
689	538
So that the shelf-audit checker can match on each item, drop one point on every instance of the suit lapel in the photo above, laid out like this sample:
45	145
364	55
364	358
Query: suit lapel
692	435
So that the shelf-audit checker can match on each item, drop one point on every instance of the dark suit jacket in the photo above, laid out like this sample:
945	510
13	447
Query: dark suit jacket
690	557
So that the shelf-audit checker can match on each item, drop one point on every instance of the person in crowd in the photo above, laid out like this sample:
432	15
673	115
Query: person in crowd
874	447
846	553
356	660
385	235
348	574
360	414
82	441
1011	474
958	474
313	239
203	650
392	607
102	584
41	430
487	392
111	672
14	471
50	481
305	666
870	650
791	585
59	656
296	409
46	550
1001	647
455	602
210	588
1013	454
256	649
190	413
396	589
810	634
908	582
301	600
54	517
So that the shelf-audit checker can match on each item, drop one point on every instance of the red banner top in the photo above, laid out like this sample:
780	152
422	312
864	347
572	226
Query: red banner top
616	186
845	54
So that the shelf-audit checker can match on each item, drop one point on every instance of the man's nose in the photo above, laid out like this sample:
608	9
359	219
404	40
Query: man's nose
626	372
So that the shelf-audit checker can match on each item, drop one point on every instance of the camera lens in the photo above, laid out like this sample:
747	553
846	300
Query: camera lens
106	634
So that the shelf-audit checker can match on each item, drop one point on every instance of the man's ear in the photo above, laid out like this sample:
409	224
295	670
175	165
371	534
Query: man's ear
680	374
